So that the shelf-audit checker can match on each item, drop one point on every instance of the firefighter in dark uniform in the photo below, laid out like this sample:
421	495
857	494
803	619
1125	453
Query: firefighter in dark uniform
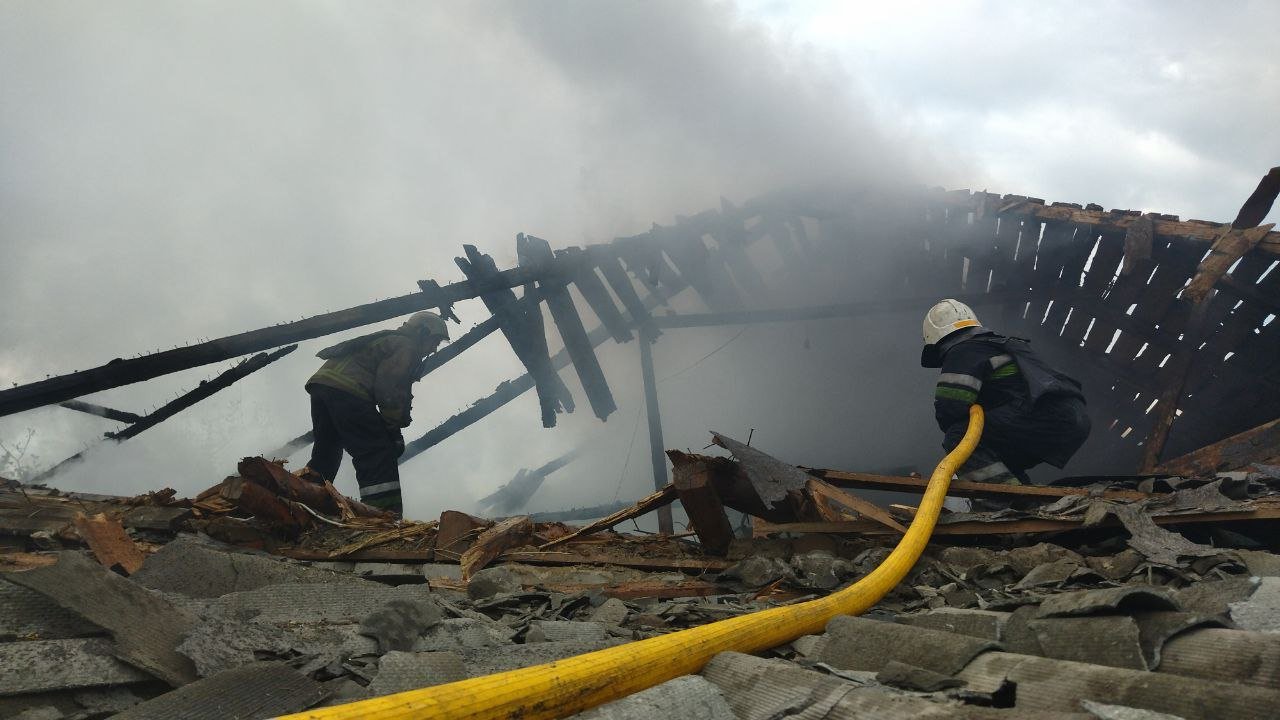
1034	413
360	401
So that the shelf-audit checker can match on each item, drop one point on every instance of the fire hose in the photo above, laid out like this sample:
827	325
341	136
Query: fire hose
564	687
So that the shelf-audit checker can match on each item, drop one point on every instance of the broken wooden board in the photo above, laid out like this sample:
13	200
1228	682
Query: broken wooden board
1227	249
1259	445
702	503
960	488
541	557
510	533
536	252
865	508
1013	526
661	498
110	544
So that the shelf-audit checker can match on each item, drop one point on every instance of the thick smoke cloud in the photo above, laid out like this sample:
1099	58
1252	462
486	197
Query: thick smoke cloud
184	171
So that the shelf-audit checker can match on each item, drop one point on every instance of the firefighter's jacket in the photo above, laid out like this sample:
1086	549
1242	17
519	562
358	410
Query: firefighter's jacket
380	367
983	367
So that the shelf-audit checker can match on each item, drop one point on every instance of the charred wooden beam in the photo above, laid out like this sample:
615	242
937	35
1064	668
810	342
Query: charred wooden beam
1166	410
515	494
1259	445
512	389
101	411
961	488
516	324
121	371
597	297
617	278
1012	527
583	513
868	307
1256	208
1226	250
538	254
203	391
658	500
1164	226
657	456
698	496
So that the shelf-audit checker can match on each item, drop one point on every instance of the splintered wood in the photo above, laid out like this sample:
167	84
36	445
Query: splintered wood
110	544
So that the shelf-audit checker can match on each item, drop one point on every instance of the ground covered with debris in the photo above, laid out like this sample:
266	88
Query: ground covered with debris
1128	603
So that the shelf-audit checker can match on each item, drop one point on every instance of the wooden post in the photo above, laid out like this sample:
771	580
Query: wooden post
698	496
656	455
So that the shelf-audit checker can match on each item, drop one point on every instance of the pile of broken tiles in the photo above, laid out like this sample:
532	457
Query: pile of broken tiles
204	630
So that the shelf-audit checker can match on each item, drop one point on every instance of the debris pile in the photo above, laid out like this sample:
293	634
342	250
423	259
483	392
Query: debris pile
1084	600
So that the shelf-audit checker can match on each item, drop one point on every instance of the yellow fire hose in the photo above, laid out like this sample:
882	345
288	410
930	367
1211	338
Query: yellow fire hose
567	686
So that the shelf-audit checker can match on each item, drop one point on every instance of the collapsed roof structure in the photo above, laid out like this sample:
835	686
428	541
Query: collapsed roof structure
1151	589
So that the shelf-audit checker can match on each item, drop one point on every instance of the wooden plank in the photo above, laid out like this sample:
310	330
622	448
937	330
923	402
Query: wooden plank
866	508
100	411
108	541
1259	444
597	297
640	563
1012	527
698	495
961	488
1229	247
510	533
1166	408
538	253
618	280
1198	232
663	497
522	332
512	389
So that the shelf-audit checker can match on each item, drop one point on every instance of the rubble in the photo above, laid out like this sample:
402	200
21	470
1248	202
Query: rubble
1113	597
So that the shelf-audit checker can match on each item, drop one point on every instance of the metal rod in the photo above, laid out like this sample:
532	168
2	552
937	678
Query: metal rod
657	456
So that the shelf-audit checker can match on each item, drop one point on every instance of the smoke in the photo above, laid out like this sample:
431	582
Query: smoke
185	171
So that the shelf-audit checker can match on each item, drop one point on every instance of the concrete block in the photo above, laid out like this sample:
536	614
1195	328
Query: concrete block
400	671
690	698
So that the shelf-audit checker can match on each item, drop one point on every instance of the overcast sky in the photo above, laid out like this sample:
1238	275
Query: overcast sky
187	170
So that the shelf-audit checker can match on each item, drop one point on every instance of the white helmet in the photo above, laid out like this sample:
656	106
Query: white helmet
943	319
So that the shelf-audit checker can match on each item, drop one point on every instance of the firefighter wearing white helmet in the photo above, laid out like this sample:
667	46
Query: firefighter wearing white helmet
361	399
1034	413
